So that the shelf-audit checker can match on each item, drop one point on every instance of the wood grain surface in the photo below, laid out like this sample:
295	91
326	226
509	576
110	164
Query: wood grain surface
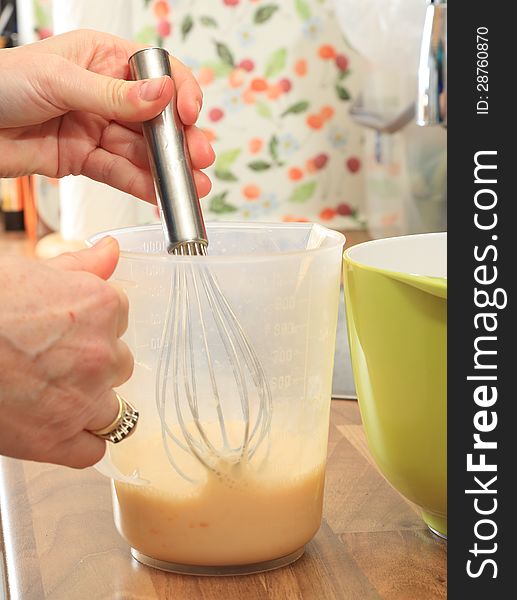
60	542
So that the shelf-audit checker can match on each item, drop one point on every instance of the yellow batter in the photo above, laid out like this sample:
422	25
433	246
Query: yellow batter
270	508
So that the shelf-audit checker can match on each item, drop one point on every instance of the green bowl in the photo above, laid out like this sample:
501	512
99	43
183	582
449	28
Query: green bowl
396	302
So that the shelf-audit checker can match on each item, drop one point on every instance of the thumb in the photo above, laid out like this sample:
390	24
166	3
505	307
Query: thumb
115	99
101	259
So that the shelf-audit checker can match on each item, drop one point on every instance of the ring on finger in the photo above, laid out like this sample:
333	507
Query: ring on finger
122	426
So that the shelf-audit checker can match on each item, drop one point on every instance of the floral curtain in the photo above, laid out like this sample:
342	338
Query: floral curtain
278	78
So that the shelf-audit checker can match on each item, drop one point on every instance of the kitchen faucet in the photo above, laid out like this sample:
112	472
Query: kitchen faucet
431	104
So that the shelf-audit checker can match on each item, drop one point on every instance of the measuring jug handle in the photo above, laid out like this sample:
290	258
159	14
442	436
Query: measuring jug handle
106	467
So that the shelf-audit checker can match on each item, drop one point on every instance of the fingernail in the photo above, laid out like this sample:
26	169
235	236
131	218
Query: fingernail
198	107
103	242
152	89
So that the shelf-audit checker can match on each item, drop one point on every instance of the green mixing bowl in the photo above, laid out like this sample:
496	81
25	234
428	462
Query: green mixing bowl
396	301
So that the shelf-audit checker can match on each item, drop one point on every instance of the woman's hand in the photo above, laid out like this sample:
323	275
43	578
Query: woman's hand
66	108
61	355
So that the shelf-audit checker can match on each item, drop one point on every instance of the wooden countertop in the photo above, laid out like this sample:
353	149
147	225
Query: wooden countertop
59	541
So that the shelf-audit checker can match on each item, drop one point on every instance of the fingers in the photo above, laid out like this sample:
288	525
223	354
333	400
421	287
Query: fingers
106	411
81	451
201	152
101	259
189	96
203	183
121	173
141	100
125	364
85	448
124	309
125	142
76	88
87	70
70	87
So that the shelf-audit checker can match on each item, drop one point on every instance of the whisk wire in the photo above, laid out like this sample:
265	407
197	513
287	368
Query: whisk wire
213	382
177	323
252	363
181	365
163	377
233	359
189	377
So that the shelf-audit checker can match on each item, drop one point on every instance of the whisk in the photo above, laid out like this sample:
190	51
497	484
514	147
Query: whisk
235	388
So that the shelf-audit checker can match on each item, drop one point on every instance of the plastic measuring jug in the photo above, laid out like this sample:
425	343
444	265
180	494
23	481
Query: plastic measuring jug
282	282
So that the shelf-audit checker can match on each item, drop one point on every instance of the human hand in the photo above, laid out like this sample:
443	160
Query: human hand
61	355
66	109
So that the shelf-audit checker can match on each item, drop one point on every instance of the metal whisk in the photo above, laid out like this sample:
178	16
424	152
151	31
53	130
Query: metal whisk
194	410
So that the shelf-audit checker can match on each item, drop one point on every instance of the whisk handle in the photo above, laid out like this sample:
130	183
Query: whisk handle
169	158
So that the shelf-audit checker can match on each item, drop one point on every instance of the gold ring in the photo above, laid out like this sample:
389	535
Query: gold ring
122	426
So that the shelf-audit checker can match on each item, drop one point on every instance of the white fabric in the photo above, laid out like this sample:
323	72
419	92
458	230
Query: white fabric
88	206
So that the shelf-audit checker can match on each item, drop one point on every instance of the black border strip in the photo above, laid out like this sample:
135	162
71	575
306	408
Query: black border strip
481	250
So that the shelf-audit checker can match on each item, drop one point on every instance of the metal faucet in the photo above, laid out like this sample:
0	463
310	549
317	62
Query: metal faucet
431	104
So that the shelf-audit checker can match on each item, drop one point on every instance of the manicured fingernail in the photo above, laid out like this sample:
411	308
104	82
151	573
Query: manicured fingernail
152	89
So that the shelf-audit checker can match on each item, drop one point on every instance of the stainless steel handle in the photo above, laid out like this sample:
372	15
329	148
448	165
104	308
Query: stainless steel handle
169	158
432	71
